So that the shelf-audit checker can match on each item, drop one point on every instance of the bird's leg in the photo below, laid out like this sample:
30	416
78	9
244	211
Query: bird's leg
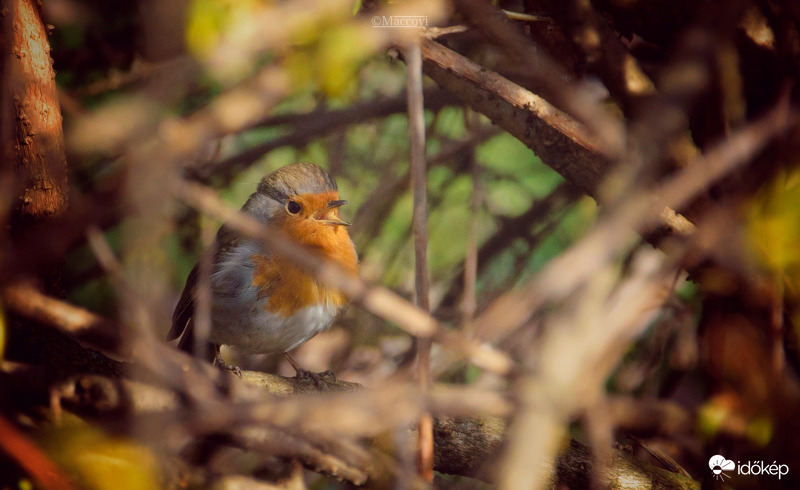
319	379
220	363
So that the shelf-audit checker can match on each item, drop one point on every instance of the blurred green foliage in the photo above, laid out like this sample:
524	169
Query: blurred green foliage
376	152
329	58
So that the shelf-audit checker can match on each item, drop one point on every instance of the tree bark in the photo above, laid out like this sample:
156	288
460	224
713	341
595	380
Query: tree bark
35	143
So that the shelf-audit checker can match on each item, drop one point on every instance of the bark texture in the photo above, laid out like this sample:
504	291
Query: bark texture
38	142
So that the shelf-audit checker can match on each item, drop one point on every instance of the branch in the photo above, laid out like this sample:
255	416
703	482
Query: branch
29	83
25	300
509	229
558	140
551	80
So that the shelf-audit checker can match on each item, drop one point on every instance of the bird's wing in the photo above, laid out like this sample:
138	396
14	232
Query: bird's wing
182	316
225	240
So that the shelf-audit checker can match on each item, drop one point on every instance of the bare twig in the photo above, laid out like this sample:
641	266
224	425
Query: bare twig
202	295
137	307
419	177
562	143
526	17
469	301
437	32
347	462
310	430
25	300
375	208
547	210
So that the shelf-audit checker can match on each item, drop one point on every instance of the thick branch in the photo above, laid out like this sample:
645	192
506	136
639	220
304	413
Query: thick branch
39	148
558	140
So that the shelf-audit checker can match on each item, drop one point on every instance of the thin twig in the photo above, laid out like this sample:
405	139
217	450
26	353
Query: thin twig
202	295
437	32
469	300
139	309
546	211
527	17
419	176
354	414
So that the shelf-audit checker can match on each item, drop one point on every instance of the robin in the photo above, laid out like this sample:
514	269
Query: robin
262	303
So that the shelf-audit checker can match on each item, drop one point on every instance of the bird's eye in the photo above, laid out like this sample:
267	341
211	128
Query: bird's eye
293	207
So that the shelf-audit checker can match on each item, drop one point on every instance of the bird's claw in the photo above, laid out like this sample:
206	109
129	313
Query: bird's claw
224	366
320	380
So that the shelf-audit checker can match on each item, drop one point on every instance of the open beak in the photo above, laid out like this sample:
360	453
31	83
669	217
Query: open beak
326	215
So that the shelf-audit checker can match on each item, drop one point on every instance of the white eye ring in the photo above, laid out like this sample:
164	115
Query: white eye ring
293	207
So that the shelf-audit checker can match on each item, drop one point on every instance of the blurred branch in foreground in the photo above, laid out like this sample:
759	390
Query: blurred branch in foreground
460	442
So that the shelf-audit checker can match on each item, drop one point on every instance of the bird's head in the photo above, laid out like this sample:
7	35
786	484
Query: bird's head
301	200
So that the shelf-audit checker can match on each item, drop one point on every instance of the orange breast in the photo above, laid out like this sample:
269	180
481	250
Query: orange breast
289	289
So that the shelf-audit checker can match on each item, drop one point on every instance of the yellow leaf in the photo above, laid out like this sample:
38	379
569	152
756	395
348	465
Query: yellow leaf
773	226
103	462
208	20
342	50
760	430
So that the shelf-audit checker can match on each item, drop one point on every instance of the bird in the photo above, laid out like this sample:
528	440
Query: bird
263	303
